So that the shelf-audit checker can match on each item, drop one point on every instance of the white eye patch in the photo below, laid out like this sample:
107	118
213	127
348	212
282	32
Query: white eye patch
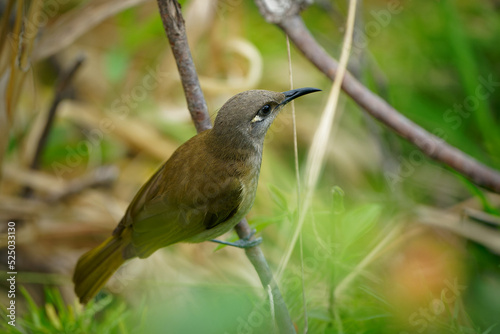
257	118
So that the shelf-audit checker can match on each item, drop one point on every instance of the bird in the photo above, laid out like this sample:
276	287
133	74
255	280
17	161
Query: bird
201	192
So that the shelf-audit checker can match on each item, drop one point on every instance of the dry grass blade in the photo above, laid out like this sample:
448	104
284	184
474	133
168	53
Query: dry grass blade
319	145
136	134
39	181
101	177
30	32
484	235
77	22
19	207
10	74
22	37
4	119
297	177
5	25
482	216
11	93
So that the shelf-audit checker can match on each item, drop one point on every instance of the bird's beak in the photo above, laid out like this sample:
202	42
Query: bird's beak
295	93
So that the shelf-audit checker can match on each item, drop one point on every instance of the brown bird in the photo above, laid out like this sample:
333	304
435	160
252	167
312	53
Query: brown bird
206	187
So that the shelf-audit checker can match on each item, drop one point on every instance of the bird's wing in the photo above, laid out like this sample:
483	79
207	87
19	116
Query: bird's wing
164	221
179	206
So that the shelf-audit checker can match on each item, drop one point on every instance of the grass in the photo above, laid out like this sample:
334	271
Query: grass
55	316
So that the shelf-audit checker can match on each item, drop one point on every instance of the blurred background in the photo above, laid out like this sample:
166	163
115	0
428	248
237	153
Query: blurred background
393	243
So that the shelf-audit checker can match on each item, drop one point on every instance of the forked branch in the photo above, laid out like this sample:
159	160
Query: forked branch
432	146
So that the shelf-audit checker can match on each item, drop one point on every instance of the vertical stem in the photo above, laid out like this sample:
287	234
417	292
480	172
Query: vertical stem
60	92
5	24
297	176
259	262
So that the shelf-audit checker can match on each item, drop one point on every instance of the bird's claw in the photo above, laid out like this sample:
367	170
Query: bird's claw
244	243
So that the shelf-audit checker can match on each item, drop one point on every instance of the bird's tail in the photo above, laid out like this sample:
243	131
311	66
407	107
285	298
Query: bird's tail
95	267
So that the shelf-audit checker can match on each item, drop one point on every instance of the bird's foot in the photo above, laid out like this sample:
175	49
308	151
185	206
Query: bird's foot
242	243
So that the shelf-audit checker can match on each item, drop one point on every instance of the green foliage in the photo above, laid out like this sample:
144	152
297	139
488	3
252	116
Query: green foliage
480	195
55	316
358	222
337	200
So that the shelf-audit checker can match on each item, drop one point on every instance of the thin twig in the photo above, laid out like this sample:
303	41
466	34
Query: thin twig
63	84
481	216
62	87
478	232
174	26
434	147
102	176
173	22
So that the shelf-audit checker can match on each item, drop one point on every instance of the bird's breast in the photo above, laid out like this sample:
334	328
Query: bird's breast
249	182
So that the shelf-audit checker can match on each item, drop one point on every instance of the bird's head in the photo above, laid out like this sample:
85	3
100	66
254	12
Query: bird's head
247	116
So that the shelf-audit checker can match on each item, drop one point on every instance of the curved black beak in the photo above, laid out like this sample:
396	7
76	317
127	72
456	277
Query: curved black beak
295	93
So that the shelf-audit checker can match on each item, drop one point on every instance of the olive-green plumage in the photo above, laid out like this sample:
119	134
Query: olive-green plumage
206	187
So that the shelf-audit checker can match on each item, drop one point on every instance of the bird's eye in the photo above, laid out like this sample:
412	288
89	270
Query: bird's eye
264	111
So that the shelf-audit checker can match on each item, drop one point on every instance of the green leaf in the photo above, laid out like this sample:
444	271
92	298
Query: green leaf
117	62
487	331
359	221
259	223
338	200
33	309
278	197
474	190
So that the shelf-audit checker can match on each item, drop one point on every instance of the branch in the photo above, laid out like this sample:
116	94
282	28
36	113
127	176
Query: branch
483	235
481	216
434	147
63	84
173	23
259	262
102	176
